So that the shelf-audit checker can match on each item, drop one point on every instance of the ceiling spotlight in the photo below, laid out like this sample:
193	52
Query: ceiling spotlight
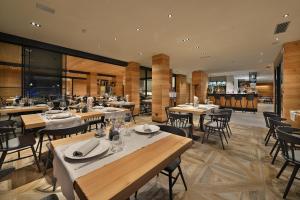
261	53
35	24
140	53
170	15
197	47
115	38
276	38
138	29
286	15
185	39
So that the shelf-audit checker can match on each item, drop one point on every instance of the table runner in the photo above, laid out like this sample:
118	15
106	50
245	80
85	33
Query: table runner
66	174
61	123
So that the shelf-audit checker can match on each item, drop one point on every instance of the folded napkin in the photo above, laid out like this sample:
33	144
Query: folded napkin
86	148
147	128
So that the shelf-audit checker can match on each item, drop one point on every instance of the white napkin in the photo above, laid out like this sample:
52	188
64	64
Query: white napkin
293	114
86	148
196	99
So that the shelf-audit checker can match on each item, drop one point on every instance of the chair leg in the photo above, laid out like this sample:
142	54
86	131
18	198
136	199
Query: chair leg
181	175
229	129
54	183
2	158
287	189
275	156
170	187
135	194
35	158
274	146
47	162
282	169
41	145
204	133
267	134
224	136
220	134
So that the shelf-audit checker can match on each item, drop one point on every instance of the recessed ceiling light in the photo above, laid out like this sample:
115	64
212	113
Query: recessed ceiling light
276	38
197	47
185	39
35	24
140	53
170	15
115	38
138	29
286	15
261	53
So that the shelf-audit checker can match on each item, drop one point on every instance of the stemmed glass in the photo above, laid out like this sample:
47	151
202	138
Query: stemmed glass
62	105
50	105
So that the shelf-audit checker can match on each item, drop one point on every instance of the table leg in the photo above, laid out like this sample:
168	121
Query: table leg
202	122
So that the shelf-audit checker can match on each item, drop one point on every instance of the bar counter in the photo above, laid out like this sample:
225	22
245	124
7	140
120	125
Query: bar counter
231	102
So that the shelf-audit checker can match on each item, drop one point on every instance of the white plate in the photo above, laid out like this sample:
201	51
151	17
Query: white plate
61	116
41	105
53	111
140	129
98	107
9	107
103	146
184	105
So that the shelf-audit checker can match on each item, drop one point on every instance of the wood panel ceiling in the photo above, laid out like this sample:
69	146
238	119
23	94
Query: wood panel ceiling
86	65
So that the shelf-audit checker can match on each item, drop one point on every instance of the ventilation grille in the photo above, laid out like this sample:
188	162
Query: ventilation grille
281	28
45	8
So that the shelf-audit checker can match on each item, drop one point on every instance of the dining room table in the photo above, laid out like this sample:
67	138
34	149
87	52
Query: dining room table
15	110
119	103
199	110
118	174
40	120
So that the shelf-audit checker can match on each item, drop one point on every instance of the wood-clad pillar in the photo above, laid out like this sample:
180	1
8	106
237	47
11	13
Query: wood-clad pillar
291	83
118	89
92	84
132	84
181	89
160	86
200	84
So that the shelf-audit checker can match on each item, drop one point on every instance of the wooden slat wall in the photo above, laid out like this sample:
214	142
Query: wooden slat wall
132	84
160	86
79	87
291	77
118	89
200	84
10	77
264	89
92	86
181	89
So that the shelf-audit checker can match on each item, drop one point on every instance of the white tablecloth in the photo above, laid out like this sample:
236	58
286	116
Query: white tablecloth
61	123
66	172
119	113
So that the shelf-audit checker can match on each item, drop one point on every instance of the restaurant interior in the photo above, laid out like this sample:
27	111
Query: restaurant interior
133	100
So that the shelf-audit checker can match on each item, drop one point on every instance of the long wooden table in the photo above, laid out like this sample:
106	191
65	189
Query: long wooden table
36	121
19	109
121	178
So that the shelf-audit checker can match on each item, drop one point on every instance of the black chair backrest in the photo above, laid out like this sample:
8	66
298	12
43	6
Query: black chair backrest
173	130
226	111
5	133
180	120
250	97
267	115
238	97
130	107
275	122
221	119
289	140
167	110
63	132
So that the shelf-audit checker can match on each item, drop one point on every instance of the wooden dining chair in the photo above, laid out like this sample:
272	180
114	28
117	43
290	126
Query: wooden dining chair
131	108
289	142
183	121
175	164
10	145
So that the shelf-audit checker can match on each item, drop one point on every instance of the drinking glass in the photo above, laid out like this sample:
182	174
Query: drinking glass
50	104
63	105
117	143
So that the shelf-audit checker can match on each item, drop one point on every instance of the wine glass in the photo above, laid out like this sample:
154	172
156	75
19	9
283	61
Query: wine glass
117	143
50	105
62	105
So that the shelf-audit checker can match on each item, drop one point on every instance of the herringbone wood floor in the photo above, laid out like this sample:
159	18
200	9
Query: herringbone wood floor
242	171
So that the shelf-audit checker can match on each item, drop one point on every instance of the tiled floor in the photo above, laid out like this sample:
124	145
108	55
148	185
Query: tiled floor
242	171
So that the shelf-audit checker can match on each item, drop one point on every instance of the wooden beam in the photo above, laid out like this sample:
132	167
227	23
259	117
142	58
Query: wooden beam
132	84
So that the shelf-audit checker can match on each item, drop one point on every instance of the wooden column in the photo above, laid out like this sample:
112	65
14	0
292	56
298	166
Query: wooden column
160	86
200	84
291	77
118	89
92	84
181	89
132	84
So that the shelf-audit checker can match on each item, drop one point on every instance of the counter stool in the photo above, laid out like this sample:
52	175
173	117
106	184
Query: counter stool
238	98
228	99
250	98
218	99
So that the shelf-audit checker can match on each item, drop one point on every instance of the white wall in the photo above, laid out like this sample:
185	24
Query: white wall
229	84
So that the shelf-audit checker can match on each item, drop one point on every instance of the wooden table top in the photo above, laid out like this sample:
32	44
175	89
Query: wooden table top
118	103
36	121
121	178
195	111
17	109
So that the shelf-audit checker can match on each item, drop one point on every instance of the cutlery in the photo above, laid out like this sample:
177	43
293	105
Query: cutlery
88	163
